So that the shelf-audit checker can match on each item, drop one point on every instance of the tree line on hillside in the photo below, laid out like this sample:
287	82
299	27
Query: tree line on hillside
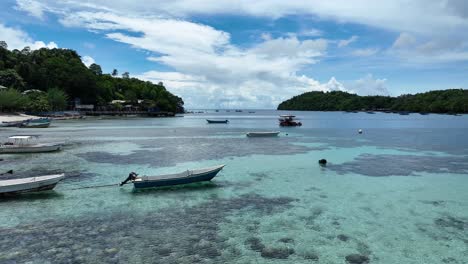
442	101
54	77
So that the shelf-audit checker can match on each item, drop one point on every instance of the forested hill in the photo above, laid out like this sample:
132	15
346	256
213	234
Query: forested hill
443	101
63	70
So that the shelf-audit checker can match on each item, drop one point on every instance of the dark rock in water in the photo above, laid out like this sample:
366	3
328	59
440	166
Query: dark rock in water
343	237
323	162
255	244
450	221
286	240
357	259
277	253
311	256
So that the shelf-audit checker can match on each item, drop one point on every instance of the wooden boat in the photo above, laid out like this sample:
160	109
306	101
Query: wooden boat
212	121
22	144
263	134
186	177
11	124
36	123
32	184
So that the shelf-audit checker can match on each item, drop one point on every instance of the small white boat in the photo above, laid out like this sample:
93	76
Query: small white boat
23	144
32	184
263	134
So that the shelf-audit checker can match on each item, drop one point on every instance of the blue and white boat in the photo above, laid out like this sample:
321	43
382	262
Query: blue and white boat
186	177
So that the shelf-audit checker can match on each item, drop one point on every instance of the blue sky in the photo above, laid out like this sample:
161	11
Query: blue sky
256	54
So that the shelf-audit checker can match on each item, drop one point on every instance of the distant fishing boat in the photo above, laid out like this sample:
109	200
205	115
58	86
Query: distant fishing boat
212	121
22	144
288	120
32	184
186	177
263	134
251	112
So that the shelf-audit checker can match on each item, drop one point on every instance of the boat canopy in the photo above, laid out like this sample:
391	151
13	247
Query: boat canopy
287	116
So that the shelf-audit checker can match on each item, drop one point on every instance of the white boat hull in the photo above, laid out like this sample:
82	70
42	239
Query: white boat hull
13	149
33	184
263	134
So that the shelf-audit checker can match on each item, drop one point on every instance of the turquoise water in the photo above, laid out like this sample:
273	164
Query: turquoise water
395	194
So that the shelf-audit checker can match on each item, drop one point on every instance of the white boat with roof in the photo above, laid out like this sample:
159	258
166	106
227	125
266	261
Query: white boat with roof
31	184
27	144
263	134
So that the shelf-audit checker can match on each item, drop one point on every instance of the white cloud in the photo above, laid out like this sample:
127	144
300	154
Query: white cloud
18	39
404	40
346	42
87	60
365	52
368	85
32	7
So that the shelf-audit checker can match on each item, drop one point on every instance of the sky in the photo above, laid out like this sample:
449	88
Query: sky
255	54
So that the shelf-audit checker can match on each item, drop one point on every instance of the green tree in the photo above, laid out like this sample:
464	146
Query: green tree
10	78
3	44
126	75
115	72
11	100
96	69
37	102
57	99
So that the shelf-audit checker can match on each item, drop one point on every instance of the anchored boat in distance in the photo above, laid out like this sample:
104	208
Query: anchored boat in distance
288	120
217	121
263	134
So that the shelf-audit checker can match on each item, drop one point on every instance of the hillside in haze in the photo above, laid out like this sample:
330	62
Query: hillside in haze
443	101
62	70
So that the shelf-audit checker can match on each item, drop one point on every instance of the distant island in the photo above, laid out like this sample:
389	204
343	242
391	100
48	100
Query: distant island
56	79
443	101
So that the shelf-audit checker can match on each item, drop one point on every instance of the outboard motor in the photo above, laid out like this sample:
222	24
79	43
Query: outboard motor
131	177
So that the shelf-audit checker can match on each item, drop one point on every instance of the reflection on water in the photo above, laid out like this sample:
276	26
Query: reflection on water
272	203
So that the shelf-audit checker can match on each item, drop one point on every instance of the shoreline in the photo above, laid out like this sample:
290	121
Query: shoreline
11	117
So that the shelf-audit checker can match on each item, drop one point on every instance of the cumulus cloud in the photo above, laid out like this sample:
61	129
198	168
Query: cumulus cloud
346	42
87	60
368	85
18	39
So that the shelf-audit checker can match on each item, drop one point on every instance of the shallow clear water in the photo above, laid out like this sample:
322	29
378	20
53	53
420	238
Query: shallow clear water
395	194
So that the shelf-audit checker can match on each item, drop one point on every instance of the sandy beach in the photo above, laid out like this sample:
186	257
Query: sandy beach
4	117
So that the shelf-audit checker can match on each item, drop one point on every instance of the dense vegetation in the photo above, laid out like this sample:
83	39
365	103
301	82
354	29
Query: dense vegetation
62	78
444	101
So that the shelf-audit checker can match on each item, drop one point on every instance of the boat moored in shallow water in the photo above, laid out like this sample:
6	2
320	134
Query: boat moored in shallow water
23	144
263	134
186	177
32	184
36	123
216	121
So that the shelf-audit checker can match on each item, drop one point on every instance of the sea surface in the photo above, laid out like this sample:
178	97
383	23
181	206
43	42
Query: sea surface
398	193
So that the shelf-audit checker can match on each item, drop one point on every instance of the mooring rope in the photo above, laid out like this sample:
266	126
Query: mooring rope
94	187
